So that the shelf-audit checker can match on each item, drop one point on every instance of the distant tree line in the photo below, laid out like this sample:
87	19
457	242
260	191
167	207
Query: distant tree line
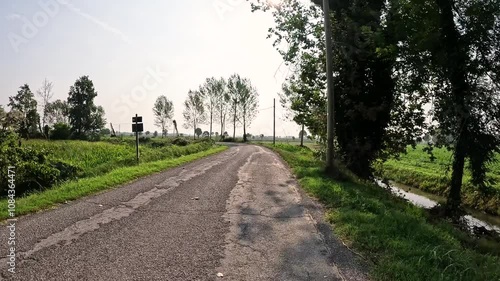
76	117
218	101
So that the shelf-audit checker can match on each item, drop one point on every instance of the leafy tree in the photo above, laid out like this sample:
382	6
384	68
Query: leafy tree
148	133
61	131
84	115
453	46
3	119
25	103
198	132
46	94
373	118
164	111
97	119
222	105
56	112
248	106
194	111
155	134
235	86
261	137
105	132
213	90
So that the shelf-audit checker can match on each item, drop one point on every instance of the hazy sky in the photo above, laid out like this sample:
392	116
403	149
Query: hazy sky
135	51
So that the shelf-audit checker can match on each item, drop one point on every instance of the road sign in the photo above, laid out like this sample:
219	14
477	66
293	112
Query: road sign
137	119
137	127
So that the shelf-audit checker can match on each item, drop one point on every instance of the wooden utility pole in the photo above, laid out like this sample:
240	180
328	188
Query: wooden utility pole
274	122
329	90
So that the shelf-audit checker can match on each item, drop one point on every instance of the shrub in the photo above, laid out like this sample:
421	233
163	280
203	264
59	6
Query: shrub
61	131
33	169
180	142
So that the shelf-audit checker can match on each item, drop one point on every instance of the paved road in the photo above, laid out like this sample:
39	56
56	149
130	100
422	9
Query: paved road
238	213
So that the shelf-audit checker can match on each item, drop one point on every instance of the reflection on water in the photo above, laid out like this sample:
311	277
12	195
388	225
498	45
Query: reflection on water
426	200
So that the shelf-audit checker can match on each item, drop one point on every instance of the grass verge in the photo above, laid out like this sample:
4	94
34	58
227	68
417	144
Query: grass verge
402	242
75	189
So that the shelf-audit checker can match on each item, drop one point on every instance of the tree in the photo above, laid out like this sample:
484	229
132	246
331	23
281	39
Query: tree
194	111
235	86
222	105
84	115
3	119
61	131
148	133
373	118
105	132
198	132
97	119
248	105
155	134
461	62
261	137
213	89
24	102
302	135
56	112
45	93
163	110
175	128
206	134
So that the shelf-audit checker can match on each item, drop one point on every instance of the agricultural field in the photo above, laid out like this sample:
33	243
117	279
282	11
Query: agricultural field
97	158
416	169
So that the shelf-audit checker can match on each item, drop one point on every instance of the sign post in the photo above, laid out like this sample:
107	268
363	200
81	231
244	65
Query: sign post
137	126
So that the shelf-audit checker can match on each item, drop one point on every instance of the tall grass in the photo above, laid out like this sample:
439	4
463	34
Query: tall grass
417	170
400	241
98	158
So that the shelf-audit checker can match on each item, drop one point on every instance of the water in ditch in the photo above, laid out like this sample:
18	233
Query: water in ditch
427	200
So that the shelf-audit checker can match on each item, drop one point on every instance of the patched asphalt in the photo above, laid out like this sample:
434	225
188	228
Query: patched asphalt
239	214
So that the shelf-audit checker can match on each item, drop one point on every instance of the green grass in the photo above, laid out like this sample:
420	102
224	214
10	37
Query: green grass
417	170
98	158
401	241
86	186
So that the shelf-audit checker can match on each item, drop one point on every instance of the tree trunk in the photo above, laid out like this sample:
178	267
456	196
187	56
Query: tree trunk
244	129
302	136
455	67
454	196
234	122
211	121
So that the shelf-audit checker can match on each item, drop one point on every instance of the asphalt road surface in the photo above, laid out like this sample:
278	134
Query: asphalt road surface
238	215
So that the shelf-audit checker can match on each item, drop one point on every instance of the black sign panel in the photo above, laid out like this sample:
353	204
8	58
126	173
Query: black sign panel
138	128
139	119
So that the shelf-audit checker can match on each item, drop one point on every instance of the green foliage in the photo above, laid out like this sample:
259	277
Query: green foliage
24	103
163	111
180	141
84	115
416	169
372	117
400	240
194	110
56	112
60	131
35	169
